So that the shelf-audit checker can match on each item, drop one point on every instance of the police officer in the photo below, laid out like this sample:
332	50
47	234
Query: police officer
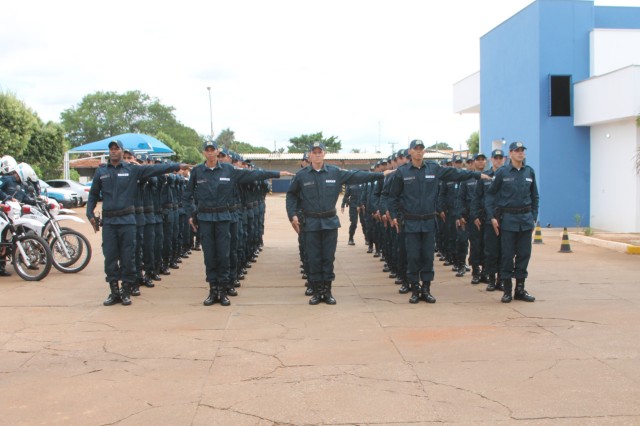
315	190
491	241
416	190
211	186
117	181
350	199
512	202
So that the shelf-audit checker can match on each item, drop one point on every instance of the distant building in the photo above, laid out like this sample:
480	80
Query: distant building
563	76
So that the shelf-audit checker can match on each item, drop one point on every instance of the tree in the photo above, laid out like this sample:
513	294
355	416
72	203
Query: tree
355	151
474	143
440	145
226	138
301	143
104	114
26	138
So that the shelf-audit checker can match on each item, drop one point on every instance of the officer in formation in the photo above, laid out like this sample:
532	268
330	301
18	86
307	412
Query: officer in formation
313	193
211	199
351	200
414	192
119	183
489	242
511	203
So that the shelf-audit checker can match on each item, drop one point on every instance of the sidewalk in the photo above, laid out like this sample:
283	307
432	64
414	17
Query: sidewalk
571	357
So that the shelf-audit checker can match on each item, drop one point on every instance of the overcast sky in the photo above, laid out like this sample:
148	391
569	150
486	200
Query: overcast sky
370	72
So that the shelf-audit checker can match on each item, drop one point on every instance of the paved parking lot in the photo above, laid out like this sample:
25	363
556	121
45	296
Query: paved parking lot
572	357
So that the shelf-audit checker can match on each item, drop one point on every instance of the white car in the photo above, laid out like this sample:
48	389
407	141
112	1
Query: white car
72	185
66	198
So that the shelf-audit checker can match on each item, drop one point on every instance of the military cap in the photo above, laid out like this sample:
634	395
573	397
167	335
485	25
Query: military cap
117	142
456	158
497	153
207	144
317	145
416	142
516	145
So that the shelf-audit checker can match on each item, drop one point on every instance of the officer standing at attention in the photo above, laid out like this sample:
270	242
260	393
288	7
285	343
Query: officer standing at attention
512	202
315	190
416	190
350	199
211	186
118	182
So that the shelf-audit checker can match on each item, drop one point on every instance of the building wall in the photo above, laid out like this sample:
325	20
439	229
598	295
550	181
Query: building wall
549	37
615	186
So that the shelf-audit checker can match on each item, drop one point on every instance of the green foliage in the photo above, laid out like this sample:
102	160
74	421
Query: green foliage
245	148
474	143
355	151
439	146
74	175
17	124
301	143
578	218
171	143
104	114
27	139
588	231
226	139
192	155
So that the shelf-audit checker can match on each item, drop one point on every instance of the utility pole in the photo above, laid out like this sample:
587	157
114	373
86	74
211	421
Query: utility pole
393	147
210	111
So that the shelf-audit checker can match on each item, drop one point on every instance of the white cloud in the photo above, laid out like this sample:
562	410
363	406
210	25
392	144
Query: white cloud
369	72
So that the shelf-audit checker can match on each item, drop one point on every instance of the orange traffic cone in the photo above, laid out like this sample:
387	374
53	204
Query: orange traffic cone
537	238
565	247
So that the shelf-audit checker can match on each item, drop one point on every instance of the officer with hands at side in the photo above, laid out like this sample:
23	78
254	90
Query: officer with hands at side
512	203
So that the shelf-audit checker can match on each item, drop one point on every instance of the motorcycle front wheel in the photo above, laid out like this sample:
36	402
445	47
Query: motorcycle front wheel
36	262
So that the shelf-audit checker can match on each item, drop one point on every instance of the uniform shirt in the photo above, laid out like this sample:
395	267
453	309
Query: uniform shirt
352	195
119	188
320	190
477	202
416	189
213	188
466	192
513	188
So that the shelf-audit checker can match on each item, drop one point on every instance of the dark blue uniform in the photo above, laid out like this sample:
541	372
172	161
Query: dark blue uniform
316	193
416	190
119	188
513	200
351	200
213	192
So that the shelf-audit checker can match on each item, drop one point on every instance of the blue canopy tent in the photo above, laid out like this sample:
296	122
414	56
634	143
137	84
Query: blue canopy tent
137	142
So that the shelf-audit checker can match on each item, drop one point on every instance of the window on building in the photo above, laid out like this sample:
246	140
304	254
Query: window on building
560	95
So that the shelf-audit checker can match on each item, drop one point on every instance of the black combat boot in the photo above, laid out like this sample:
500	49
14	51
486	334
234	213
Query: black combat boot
135	287
164	269
125	293
231	289
147	280
460	270
318	292
426	292
351	242
370	248
484	277
507	286
405	287
3	270
415	293
328	297
385	268
521	293
222	296
309	290
491	285
393	274
213	295
499	283
236	283
114	296
475	275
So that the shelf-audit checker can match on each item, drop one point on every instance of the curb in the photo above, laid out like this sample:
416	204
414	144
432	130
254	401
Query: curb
611	245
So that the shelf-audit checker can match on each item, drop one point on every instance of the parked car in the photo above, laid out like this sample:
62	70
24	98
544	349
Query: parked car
72	185
65	197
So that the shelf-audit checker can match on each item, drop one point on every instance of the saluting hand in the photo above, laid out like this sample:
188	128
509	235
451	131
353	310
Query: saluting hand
485	177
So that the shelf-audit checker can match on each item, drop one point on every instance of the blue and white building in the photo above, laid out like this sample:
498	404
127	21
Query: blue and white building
563	76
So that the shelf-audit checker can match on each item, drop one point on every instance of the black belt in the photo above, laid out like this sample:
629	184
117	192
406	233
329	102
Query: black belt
526	209
235	207
139	210
148	209
213	209
320	215
118	213
409	216
167	206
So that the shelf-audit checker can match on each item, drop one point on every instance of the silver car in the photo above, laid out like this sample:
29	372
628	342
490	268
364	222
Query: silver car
81	190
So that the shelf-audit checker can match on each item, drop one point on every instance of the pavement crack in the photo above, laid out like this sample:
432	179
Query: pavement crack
472	392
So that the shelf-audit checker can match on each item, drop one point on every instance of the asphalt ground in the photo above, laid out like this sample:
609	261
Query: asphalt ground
571	357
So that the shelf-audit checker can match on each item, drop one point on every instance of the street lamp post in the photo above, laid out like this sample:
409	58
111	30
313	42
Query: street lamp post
210	111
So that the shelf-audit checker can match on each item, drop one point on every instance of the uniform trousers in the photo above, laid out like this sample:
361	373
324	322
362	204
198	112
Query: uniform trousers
420	251
118	247
215	239
320	247
516	252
